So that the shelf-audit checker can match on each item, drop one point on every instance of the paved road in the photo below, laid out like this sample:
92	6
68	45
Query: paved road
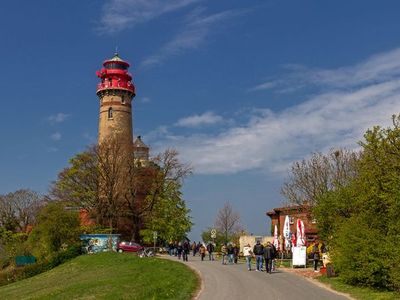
235	282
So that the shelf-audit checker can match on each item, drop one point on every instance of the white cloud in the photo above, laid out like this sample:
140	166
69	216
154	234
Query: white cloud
118	15
57	118
56	136
353	99
208	118
197	29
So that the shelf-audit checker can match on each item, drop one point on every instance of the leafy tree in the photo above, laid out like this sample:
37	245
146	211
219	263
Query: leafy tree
56	229
361	220
218	240
11	245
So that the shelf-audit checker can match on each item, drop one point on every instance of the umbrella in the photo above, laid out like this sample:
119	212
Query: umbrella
286	232
276	240
300	233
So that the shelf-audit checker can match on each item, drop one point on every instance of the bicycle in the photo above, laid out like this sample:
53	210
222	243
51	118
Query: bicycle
147	252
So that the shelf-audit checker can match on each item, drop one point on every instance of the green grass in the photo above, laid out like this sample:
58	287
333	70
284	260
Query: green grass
108	276
363	293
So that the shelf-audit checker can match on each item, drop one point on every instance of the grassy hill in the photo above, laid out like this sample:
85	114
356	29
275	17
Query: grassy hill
108	276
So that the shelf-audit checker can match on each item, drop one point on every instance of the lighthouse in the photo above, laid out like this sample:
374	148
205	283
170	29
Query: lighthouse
116	92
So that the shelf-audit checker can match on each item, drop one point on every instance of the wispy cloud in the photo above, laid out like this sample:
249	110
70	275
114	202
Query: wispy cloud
118	15
145	100
207	118
196	30
352	99
57	118
56	136
378	68
51	149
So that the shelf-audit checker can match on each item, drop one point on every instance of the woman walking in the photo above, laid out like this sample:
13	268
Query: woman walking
248	253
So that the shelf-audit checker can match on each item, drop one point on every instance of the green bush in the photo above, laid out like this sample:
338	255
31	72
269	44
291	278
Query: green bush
360	254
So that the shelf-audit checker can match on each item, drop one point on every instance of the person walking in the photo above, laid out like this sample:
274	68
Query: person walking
258	251
248	253
210	249
179	250
269	255
186	250
235	253
171	248
194	248
316	256
198	247
224	251
202	252
230	253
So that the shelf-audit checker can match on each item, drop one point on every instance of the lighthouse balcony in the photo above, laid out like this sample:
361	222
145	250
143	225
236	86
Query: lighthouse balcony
116	85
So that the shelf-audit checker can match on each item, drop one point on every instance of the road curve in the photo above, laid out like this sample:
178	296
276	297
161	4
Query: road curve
235	282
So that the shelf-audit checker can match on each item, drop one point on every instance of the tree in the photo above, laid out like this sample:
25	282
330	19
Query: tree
153	196
56	228
218	240
321	173
18	209
227	222
363	239
94	181
119	190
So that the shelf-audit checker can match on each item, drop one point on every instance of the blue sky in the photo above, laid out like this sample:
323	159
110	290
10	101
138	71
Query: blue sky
241	88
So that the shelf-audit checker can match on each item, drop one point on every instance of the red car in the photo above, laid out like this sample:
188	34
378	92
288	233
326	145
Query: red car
129	247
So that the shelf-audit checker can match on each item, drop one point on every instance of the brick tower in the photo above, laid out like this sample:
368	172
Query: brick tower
115	92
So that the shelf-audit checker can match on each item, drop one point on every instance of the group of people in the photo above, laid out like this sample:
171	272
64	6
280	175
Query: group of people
179	250
182	249
261	253
229	253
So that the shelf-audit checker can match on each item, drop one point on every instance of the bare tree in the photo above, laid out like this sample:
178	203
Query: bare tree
228	222
18	209
321	173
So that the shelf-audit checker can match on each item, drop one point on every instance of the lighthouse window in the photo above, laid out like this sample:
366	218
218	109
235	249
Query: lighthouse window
123	100
115	66
110	113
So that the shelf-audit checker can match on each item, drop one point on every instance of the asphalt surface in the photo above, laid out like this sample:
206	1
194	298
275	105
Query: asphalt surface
236	282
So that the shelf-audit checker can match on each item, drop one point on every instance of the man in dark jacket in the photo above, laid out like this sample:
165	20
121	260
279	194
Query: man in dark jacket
230	253
210	249
258	251
269	255
235	253
185	250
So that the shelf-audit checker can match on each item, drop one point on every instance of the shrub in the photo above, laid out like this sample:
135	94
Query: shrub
57	258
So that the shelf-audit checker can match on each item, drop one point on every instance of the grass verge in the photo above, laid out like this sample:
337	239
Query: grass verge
363	293
108	276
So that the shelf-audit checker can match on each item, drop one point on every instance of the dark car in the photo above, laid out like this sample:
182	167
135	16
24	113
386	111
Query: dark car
129	247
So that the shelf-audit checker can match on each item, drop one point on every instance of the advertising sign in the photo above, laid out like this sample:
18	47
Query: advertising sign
299	256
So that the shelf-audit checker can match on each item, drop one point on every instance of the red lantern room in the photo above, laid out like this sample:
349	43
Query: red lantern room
114	76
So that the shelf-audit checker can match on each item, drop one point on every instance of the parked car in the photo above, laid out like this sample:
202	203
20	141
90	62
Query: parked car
129	247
